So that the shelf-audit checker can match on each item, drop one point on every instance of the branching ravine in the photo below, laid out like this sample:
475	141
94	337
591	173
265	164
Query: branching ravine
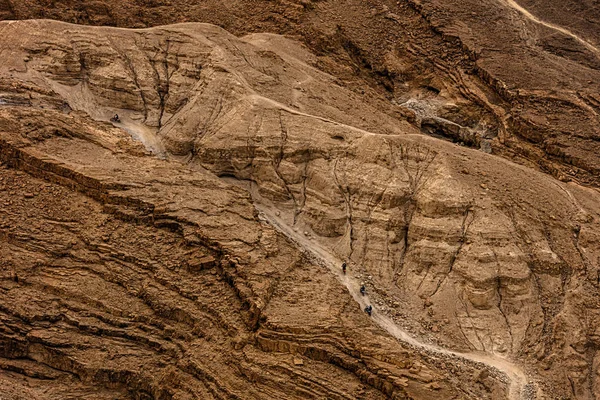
524	237
209	127
168	76
348	201
499	305
462	331
276	162
283	139
408	212
415	161
161	59
423	158
134	76
470	319
373	202
466	223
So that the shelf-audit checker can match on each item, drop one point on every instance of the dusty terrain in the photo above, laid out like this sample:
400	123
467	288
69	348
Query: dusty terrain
519	79
192	250
125	275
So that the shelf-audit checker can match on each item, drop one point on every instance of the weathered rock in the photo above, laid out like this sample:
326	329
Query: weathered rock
151	276
504	266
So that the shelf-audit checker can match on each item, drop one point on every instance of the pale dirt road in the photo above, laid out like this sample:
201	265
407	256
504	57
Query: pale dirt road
513	4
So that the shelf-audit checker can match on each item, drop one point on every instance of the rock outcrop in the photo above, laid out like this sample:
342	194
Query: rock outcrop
462	248
124	275
517	78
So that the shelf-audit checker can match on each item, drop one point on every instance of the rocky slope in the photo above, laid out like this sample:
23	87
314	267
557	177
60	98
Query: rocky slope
112	289
461	248
128	276
519	79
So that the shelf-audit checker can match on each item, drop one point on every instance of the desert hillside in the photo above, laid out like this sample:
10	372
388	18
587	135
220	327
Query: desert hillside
446	151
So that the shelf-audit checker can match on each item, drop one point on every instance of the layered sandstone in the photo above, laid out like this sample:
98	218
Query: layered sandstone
458	247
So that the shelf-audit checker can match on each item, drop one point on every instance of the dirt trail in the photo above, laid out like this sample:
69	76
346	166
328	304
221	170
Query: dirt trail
513	4
519	388
141	132
81	98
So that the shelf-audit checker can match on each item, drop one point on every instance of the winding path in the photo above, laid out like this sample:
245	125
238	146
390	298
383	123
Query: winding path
519	387
513	4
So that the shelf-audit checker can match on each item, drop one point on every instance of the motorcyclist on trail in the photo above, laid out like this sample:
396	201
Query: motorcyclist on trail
344	268
369	309
363	289
115	118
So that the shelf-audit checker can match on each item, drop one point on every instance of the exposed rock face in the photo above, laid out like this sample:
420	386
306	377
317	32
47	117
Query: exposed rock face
128	276
486	252
466	248
518	78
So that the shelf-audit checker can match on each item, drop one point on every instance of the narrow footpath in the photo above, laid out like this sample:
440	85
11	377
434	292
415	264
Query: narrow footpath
516	6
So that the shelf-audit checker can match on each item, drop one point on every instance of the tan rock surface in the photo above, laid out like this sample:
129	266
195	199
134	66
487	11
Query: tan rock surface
180	287
518	78
128	276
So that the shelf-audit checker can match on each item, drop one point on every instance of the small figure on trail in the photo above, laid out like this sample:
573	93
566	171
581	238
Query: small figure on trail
363	289
369	309
115	118
344	267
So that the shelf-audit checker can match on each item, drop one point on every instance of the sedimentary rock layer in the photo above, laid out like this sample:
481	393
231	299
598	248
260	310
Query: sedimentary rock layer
461	247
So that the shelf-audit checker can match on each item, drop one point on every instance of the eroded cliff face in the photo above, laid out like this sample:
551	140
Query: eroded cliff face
457	246
121	284
125	275
517	78
486	254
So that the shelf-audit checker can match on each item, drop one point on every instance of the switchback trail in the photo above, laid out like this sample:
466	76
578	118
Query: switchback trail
519	387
